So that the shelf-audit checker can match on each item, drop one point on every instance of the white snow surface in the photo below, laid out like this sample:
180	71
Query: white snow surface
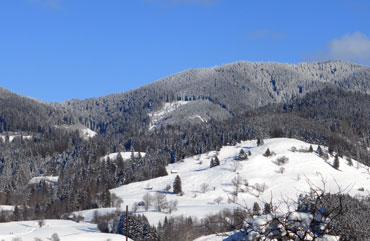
67	231
88	215
158	116
48	179
11	137
258	171
7	208
125	155
229	236
85	132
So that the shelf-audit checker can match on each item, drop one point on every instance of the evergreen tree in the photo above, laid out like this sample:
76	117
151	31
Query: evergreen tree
319	151
336	162
256	208
310	149
267	153
212	163
267	208
242	155
217	162
260	142
177	185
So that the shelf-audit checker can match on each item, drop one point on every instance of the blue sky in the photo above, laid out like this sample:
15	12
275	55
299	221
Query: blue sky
55	50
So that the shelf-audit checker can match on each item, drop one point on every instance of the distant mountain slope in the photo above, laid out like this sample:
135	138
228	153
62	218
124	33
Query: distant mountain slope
230	89
19	113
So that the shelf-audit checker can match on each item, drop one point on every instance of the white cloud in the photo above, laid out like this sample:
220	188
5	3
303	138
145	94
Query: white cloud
353	47
350	47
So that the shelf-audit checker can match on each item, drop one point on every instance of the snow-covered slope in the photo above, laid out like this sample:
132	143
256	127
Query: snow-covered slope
7	208
48	179
66	231
158	116
85	132
125	155
260	178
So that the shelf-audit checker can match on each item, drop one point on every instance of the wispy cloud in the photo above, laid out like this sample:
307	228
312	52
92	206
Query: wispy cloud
55	4
175	3
354	47
265	34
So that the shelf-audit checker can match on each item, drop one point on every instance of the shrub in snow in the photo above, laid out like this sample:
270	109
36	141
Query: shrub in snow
214	162
218	200
160	201
204	187
172	206
242	155
148	200
55	237
291	226
282	160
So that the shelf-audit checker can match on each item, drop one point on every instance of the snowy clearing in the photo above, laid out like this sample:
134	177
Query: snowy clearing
125	155
260	178
48	179
66	230
158	116
85	132
11	137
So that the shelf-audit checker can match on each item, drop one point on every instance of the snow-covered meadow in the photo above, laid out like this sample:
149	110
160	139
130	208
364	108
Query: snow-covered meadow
66	230
209	190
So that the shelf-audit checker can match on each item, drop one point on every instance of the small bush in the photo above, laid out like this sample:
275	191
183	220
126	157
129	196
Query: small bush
55	237
282	160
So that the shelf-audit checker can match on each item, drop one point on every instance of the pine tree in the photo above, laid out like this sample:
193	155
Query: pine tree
212	163
310	149
319	151
177	185
267	208
256	208
259	142
336	162
267	153
217	162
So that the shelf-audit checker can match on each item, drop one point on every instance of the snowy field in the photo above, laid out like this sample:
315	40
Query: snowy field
261	178
66	231
209	190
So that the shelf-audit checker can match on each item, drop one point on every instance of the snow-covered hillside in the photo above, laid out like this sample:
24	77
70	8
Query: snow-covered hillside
66	231
160	115
207	190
